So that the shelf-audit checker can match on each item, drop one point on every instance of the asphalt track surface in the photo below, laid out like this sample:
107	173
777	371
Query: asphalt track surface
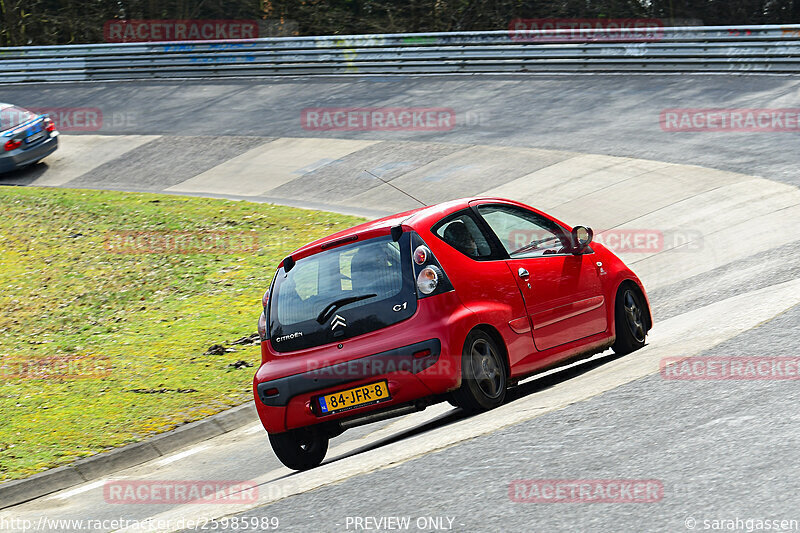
604	114
722	450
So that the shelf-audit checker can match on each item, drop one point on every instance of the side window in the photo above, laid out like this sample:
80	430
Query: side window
463	234
524	233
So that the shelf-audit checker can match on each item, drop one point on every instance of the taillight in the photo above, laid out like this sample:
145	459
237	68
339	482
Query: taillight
49	125
430	276
428	279
13	144
262	327
421	254
265	299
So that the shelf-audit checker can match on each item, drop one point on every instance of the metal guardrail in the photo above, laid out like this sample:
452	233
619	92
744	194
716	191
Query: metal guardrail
774	49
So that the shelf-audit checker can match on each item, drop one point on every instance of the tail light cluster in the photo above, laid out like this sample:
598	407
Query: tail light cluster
262	320
13	144
49	125
427	270
262	326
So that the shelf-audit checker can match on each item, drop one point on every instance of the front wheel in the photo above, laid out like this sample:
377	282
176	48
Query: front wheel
483	375
629	318
300	449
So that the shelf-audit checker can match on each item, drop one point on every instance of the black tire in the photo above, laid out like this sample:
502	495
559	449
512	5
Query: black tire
300	449
630	321
483	374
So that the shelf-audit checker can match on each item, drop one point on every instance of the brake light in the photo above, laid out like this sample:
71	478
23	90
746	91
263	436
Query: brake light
49	125
326	245
13	144
421	255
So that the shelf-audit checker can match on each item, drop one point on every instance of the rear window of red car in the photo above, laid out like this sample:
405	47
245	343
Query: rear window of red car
376	274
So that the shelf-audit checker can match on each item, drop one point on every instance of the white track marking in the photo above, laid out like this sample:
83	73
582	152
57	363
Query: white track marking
181	455
255	428
81	489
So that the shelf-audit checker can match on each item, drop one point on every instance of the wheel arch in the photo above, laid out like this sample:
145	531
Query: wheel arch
495	335
631	284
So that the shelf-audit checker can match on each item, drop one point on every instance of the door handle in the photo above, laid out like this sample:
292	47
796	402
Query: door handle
523	273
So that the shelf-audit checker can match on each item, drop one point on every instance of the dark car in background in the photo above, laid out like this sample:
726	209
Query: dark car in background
25	137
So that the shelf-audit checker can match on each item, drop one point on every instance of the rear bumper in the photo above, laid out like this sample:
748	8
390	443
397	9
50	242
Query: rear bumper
411	359
20	158
295	404
419	358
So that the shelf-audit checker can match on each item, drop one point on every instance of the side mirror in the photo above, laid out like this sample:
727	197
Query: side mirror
581	238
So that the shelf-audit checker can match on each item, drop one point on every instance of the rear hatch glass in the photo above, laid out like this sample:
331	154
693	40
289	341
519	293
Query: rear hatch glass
13	116
341	293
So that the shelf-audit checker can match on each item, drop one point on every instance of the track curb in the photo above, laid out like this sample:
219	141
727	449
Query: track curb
94	467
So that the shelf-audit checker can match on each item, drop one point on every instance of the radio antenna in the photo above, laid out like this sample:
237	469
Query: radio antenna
396	188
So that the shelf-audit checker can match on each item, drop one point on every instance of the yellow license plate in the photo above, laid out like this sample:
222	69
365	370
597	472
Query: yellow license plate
355	397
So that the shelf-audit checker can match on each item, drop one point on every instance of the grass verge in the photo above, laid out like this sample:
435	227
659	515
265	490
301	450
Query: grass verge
102	347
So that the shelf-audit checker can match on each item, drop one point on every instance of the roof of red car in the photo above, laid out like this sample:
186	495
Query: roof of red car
420	217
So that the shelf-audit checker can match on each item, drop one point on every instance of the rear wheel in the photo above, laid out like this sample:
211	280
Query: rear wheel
483	374
630	321
300	449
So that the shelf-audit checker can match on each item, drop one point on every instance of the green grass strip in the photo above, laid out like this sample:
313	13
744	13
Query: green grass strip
108	301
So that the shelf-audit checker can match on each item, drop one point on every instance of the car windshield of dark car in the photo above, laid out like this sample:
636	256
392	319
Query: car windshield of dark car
12	116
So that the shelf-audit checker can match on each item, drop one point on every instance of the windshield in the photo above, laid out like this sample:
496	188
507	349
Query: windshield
13	116
342	292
